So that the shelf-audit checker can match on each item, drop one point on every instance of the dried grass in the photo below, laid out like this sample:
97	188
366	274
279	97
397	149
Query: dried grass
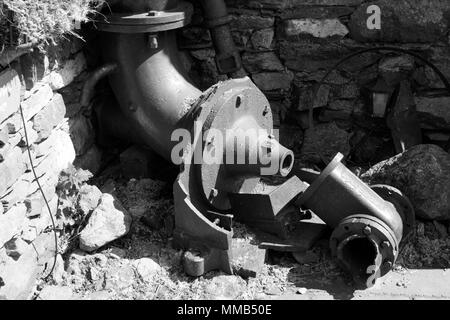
42	21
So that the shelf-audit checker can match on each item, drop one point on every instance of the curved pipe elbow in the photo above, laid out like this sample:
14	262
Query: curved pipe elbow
87	92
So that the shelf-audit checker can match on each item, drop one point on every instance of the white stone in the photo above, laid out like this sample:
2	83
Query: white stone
38	100
89	198
146	268
108	222
56	293
317	28
9	93
70	70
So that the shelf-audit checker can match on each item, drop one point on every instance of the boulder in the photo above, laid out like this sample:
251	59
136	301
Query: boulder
423	174
108	222
434	112
262	39
323	142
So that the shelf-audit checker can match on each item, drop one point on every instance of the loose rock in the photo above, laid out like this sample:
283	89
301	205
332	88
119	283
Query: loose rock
323	142
56	293
146	268
423	174
108	222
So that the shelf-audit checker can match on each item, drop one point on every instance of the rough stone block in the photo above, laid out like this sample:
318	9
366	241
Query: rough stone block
82	134
268	81
12	222
91	160
108	222
49	117
58	79
248	260
434	113
262	39
62	155
314	27
423	174
38	100
265	61
9	93
323	142
18	277
252	22
11	168
405	21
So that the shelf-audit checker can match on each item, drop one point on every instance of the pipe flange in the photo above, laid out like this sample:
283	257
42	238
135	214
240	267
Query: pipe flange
401	203
365	247
232	101
148	22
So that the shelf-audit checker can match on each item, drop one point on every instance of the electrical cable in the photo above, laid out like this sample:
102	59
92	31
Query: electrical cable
36	178
382	48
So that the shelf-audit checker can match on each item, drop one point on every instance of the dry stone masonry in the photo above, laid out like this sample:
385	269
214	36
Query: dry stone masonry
46	86
288	45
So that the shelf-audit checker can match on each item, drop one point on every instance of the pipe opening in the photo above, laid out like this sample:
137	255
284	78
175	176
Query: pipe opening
287	162
358	255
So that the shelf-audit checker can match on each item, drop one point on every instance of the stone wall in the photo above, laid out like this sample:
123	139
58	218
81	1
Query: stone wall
47	87
288	45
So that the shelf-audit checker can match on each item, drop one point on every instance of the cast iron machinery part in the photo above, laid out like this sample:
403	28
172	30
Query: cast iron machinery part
363	221
201	192
365	247
152	21
228	58
237	106
402	204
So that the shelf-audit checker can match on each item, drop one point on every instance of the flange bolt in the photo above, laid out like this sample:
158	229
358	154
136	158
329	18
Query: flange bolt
367	230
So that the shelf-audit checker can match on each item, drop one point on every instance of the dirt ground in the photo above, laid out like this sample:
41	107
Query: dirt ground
116	272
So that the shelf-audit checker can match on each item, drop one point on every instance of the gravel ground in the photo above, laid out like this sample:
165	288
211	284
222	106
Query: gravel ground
143	264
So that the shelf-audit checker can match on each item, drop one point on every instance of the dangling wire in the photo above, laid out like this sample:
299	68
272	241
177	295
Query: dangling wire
30	158
377	49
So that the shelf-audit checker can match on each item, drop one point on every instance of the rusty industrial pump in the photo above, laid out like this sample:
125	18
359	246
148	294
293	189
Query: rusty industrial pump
224	143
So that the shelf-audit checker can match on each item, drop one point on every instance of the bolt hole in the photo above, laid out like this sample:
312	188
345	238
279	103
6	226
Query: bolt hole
286	164
238	101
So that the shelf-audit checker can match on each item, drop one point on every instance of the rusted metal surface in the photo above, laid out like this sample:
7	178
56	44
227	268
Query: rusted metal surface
266	210
367	228
156	97
148	21
228	58
88	89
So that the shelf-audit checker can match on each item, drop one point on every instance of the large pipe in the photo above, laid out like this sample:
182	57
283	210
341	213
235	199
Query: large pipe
153	91
367	228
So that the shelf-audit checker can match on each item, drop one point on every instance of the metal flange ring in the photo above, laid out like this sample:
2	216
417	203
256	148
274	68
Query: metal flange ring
401	203
148	22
